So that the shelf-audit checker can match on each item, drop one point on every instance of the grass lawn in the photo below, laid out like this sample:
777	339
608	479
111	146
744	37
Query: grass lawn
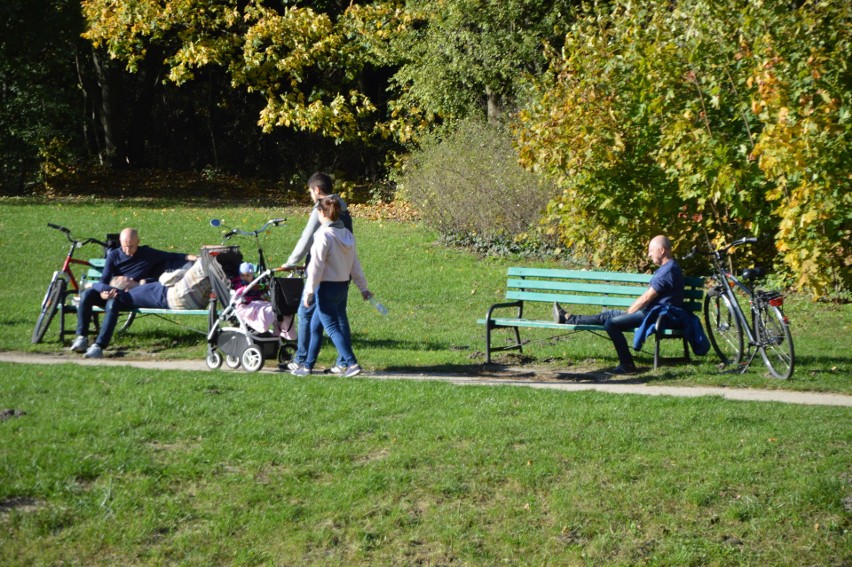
434	295
148	467
131	466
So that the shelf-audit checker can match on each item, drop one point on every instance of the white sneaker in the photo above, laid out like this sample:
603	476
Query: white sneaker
337	370
301	371
353	370
80	344
95	351
293	365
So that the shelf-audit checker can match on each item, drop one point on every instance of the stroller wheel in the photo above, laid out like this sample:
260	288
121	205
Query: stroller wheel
252	359
232	361
214	360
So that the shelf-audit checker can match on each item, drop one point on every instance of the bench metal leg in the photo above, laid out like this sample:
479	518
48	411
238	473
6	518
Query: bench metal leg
656	350
489	349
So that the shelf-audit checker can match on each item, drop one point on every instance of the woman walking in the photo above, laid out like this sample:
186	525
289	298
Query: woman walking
334	261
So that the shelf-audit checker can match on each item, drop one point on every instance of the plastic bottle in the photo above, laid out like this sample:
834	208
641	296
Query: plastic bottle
378	305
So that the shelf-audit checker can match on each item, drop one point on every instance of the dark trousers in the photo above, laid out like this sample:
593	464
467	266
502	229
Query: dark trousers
616	322
88	300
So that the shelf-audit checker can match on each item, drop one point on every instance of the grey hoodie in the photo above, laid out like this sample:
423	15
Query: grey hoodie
306	240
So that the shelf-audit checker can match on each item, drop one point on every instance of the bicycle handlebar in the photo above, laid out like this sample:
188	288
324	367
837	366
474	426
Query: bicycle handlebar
235	231
696	250
76	241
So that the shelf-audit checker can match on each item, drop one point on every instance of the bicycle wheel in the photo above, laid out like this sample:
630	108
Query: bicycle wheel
775	341
52	302
723	328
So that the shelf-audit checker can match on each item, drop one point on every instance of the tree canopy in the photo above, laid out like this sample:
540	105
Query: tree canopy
705	120
702	119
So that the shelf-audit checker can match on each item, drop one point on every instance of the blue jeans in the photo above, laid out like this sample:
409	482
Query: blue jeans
616	322
88	299
331	300
303	334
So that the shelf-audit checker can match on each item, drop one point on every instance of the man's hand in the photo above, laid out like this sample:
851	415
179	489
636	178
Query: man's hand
643	300
109	294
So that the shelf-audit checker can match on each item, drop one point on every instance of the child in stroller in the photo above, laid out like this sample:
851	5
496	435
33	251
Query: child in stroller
242	329
255	308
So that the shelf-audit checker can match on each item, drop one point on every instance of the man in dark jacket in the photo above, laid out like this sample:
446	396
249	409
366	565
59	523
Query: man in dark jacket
136	264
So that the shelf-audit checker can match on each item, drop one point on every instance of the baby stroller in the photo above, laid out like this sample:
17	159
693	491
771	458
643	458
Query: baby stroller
230	334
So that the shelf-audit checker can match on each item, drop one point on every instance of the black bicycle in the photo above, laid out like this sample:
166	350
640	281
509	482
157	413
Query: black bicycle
736	340
57	289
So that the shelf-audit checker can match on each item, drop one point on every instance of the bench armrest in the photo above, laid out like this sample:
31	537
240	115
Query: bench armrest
519	305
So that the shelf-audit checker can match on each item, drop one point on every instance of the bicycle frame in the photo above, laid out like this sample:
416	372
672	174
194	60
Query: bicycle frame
59	289
66	268
767	333
725	278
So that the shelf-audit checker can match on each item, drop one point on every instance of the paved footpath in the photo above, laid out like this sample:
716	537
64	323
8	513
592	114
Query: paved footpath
524	378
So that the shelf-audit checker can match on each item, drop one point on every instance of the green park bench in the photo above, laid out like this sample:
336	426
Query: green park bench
574	289
94	274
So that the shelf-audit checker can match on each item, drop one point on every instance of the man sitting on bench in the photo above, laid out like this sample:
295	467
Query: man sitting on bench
136	263
666	287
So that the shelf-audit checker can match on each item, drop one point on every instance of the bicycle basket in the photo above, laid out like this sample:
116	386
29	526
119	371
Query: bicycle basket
229	257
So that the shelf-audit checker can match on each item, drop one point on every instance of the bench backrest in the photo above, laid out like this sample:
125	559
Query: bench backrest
579	287
94	273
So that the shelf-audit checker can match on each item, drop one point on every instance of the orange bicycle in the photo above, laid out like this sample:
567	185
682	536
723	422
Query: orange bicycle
63	282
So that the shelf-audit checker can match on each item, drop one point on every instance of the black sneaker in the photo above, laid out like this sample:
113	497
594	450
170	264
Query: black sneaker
558	314
621	370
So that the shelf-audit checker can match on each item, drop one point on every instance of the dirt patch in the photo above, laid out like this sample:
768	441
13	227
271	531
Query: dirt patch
21	504
11	413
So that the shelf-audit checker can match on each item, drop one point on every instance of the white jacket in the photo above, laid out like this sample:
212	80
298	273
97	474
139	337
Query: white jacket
334	258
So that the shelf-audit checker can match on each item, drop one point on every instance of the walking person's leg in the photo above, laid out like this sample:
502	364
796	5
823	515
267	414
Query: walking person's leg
332	298
303	332
313	339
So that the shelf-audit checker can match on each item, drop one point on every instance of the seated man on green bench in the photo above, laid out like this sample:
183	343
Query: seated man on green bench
666	287
136	263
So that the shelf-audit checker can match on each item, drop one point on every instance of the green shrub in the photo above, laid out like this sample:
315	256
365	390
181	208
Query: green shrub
466	183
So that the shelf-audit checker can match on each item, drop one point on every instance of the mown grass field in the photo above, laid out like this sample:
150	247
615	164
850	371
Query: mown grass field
140	467
130	466
434	295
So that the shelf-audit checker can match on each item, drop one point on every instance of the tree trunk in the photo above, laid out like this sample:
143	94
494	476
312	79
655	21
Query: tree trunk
140	113
109	111
495	106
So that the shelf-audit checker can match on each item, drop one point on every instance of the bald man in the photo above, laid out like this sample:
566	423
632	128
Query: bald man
666	288
136	264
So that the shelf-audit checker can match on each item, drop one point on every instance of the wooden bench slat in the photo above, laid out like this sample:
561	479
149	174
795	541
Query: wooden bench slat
580	275
537	324
597	289
601	300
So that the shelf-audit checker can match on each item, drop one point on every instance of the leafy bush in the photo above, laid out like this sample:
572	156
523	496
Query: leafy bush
704	120
466	184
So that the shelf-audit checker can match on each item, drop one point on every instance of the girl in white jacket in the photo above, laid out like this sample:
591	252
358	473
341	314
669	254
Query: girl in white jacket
334	261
